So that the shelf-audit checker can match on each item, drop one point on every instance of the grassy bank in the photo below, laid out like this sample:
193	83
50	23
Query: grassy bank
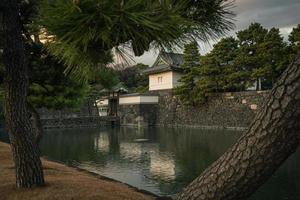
62	182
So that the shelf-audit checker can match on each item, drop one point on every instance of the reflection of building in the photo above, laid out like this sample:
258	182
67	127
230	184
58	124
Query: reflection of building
165	72
140	164
131	151
102	143
162	166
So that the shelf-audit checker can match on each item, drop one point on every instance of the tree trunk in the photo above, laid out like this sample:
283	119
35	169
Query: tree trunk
271	139
26	156
39	131
97	108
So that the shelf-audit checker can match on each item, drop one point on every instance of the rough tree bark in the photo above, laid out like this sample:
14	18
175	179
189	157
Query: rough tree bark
39	131
26	156
273	136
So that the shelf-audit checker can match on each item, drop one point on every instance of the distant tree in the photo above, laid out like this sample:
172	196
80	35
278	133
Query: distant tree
258	55
50	87
294	36
133	78
186	91
104	82
294	39
274	59
248	57
217	71
106	78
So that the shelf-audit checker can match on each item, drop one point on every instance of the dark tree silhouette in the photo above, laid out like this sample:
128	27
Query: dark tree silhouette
28	166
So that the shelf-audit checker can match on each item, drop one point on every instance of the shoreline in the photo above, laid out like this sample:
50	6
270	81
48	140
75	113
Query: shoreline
233	128
105	178
66	182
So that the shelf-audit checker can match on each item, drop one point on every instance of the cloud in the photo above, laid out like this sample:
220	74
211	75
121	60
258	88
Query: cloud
282	14
270	13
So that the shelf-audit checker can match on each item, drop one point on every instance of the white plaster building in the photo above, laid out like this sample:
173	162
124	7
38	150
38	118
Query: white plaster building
126	99
166	72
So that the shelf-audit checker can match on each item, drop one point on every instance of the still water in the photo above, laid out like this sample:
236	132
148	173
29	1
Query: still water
160	160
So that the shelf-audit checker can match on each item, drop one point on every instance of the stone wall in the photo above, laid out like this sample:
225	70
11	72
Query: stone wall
138	115
86	110
85	116
74	122
222	110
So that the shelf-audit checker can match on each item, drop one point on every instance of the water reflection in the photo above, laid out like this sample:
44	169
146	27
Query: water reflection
160	160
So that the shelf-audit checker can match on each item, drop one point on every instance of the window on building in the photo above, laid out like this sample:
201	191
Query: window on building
159	79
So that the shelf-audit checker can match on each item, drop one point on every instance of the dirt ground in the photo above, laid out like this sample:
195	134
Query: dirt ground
62	182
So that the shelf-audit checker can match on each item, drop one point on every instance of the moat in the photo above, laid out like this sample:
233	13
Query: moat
159	160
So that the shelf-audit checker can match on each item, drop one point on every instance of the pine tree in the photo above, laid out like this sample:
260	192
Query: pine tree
294	39
133	78
81	38
189	67
273	58
248	57
217	70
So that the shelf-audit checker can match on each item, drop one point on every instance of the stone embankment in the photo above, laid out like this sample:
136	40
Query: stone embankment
234	110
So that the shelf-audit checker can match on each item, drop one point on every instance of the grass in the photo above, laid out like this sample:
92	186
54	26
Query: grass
62	182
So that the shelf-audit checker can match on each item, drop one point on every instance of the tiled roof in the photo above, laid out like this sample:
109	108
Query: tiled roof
172	58
172	62
161	68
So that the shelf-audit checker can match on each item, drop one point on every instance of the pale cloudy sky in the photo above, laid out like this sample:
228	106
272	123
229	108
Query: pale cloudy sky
283	14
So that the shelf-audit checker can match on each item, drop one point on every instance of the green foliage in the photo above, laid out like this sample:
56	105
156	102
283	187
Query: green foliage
272	53
217	71
83	33
49	86
190	67
234	64
106	77
248	57
294	39
133	78
261	54
211	16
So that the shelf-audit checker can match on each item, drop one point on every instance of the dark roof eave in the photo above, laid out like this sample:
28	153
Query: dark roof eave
167	69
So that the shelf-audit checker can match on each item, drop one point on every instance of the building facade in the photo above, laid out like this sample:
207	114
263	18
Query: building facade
166	71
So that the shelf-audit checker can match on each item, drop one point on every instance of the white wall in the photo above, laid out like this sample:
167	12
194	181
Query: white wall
133	100
164	80
102	102
176	77
129	100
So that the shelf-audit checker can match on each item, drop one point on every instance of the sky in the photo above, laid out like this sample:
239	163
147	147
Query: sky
282	14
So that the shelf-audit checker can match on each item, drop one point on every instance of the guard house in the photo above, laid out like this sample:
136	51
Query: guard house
108	105
132	109
140	109
166	71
